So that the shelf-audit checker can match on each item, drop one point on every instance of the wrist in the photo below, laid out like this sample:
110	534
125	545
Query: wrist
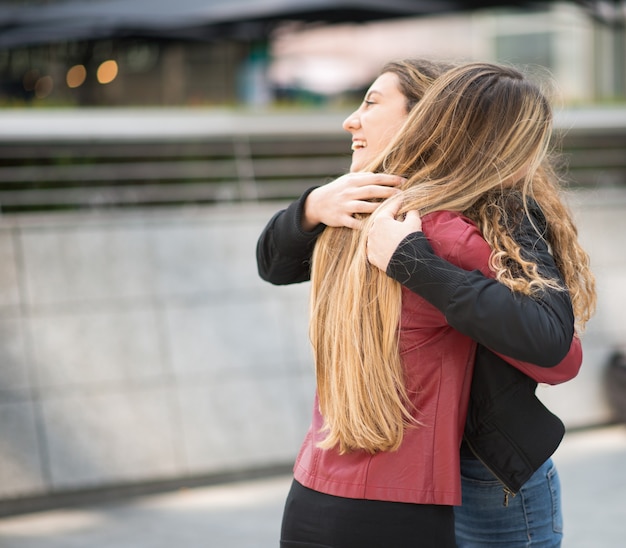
310	219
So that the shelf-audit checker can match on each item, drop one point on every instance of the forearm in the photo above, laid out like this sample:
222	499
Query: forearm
564	371
284	249
537	331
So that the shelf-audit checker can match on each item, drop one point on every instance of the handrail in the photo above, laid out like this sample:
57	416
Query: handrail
123	157
169	124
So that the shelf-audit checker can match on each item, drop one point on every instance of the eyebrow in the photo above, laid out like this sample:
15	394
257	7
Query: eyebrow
372	92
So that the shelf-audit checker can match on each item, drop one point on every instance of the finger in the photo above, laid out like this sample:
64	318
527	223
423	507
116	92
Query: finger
391	207
366	178
413	220
412	216
371	192
386	179
359	206
352	222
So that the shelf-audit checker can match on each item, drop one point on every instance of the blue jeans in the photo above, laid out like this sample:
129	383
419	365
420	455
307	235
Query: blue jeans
532	518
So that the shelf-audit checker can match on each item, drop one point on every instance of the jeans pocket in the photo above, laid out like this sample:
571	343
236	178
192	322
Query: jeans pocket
474	471
555	490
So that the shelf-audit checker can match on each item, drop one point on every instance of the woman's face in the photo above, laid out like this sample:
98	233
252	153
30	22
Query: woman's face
377	120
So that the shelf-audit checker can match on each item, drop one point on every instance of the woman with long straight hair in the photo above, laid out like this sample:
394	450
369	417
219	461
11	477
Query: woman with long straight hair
393	324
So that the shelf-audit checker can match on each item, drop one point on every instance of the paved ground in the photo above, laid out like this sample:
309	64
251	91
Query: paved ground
592	466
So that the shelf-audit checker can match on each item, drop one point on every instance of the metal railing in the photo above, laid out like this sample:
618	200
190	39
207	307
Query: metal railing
119	158
99	159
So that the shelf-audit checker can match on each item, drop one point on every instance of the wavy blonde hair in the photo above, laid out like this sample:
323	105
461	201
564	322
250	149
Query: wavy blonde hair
470	134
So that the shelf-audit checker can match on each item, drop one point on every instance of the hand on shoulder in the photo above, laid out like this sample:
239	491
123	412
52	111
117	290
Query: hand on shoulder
336	203
387	232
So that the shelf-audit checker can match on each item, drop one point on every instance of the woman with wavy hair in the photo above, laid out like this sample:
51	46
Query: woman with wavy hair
398	304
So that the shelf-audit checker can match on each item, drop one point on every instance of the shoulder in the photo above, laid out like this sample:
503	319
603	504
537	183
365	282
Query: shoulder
448	222
457	239
446	230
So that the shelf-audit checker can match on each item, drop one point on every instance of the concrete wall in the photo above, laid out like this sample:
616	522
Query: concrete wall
142	346
139	346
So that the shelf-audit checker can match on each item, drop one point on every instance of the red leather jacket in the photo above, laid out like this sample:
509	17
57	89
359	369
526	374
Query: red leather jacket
438	361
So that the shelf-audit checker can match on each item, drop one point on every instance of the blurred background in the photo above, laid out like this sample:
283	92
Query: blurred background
144	144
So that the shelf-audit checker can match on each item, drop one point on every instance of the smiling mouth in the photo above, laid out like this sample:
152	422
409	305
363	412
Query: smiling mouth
357	145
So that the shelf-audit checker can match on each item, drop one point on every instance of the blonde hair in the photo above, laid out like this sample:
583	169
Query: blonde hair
479	134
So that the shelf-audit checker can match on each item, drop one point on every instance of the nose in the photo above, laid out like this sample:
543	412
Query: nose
352	122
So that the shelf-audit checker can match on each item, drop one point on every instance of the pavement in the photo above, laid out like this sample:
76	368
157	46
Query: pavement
246	514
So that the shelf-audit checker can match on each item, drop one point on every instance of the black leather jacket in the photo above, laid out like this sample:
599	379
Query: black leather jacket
507	427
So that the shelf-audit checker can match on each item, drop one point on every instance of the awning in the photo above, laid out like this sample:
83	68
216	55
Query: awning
74	20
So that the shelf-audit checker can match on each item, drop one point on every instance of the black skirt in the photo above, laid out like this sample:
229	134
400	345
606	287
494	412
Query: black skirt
317	520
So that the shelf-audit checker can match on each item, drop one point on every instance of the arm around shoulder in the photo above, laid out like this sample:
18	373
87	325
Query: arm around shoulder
534	330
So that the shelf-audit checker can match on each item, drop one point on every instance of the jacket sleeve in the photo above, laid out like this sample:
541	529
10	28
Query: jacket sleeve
283	249
537	330
564	371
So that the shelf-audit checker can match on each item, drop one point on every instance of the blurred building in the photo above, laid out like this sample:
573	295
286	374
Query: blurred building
306	62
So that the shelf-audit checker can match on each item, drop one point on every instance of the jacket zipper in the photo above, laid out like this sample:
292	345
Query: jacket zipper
508	492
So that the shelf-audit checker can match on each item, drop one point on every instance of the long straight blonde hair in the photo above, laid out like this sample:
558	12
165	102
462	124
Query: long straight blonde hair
463	147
